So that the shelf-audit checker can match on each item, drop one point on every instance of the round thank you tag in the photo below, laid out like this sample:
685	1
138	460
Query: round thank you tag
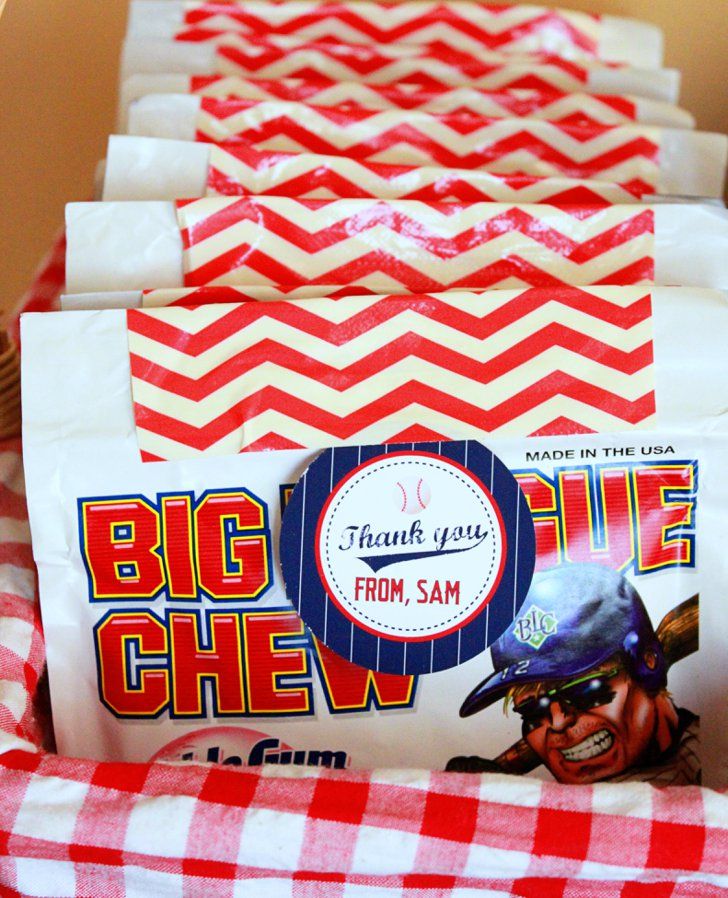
409	559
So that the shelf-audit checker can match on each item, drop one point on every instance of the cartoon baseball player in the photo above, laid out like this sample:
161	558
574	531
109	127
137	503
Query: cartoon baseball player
585	670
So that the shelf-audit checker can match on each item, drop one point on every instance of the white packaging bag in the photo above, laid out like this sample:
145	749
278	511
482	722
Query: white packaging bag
664	160
148	168
163	669
389	245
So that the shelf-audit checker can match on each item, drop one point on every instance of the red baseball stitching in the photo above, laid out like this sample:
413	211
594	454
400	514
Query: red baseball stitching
404	496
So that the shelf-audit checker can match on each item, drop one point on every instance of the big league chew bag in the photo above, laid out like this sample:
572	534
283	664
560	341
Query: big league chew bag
384	424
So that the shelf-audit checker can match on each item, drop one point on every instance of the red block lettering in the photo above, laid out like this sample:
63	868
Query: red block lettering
232	562
151	693
222	663
541	498
354	688
178	544
266	662
579	513
658	513
119	543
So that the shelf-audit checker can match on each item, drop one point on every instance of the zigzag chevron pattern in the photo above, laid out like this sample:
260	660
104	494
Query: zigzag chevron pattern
243	171
228	378
550	106
203	296
279	57
458	26
408	246
188	297
406	137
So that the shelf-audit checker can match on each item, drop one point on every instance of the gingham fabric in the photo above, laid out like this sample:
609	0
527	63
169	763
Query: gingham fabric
83	829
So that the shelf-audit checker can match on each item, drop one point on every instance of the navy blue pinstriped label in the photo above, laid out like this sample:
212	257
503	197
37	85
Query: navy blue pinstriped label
408	559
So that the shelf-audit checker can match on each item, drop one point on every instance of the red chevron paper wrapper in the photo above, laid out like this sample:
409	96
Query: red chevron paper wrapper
276	56
283	57
222	379
650	159
556	106
580	108
234	171
614	153
165	657
390	246
455	26
417	246
144	168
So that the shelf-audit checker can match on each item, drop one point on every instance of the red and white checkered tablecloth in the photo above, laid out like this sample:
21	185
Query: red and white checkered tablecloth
79	828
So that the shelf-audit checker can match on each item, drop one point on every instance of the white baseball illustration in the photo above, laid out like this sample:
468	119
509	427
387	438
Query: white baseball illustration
412	494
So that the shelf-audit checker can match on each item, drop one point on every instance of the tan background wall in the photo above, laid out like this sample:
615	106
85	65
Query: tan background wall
58	61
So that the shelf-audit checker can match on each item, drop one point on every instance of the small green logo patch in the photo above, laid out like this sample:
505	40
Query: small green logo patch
535	627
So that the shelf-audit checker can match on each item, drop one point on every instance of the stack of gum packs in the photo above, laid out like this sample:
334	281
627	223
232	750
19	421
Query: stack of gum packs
387	397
